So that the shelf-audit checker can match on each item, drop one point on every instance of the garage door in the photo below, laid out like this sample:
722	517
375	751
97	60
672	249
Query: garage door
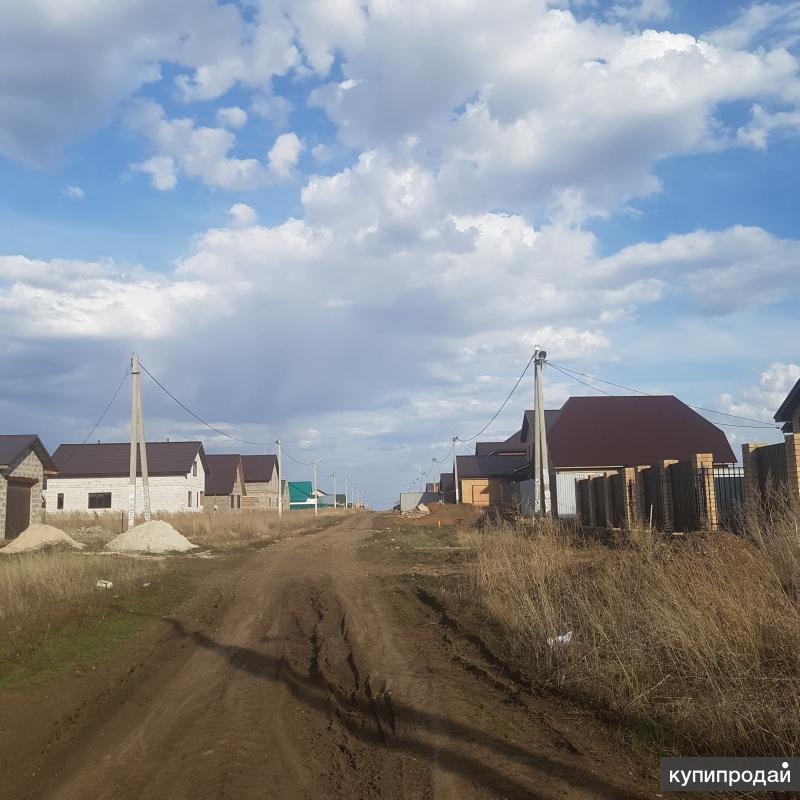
18	509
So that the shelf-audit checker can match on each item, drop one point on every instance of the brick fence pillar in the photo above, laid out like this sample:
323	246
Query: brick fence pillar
792	445
703	464
752	491
630	511
665	482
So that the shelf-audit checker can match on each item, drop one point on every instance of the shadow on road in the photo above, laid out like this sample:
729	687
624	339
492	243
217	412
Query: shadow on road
319	694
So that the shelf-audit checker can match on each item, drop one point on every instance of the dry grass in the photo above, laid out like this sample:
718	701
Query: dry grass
31	581
213	530
692	642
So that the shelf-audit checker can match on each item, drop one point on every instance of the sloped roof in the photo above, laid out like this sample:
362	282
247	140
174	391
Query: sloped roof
631	431
12	446
112	459
300	491
224	469
528	426
512	445
488	466
259	469
788	407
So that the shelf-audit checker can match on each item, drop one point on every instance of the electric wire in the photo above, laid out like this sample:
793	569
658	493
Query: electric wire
199	418
296	461
111	403
570	373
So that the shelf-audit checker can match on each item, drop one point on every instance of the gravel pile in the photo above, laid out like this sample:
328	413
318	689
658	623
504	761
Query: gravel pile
38	536
155	536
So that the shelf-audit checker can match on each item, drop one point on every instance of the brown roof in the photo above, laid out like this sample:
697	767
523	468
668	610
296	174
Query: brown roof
488	466
511	446
788	407
631	431
259	469
112	459
12	446
550	417
224	469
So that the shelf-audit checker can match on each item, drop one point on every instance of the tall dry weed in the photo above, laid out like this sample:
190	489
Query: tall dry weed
692	641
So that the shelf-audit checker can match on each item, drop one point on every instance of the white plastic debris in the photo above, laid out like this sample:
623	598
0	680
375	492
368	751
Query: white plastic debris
145	585
564	638
101	584
423	509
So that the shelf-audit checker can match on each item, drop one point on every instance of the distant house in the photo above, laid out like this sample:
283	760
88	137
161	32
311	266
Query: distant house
96	477
301	495
225	485
592	435
513	446
789	412
488	480
261	481
25	465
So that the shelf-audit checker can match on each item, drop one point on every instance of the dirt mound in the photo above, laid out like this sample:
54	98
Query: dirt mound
155	536
447	514
38	536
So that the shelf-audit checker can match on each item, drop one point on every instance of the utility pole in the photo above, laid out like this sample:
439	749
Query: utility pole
280	481
455	467
316	500
137	438
435	479
334	491
541	471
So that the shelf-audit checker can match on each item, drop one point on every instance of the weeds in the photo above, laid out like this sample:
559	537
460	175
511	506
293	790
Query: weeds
691	642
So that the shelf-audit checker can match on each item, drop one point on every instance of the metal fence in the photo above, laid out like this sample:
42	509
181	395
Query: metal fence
688	496
771	463
729	493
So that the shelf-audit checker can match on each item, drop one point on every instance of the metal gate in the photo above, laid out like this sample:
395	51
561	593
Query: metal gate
729	493
772	472
688	498
653	505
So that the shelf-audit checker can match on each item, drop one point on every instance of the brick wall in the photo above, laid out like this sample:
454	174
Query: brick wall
28	466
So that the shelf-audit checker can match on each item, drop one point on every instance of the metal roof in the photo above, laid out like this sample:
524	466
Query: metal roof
112	459
789	405
259	469
550	417
12	446
488	466
512	445
631	431
224	469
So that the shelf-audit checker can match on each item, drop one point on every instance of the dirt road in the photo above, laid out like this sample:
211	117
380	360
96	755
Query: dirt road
308	684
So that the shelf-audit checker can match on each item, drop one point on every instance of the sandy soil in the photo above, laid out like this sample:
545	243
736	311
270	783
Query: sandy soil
303	673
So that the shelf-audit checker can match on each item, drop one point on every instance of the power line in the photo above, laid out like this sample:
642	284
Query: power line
505	403
296	461
570	373
200	419
111	403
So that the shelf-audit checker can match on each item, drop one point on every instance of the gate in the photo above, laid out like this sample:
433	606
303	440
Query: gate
772	472
653	505
18	508
729	491
688	498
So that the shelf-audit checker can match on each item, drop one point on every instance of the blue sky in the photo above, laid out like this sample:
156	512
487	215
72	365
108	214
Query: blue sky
347	223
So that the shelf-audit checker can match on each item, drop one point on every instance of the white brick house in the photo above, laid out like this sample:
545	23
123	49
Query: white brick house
96	477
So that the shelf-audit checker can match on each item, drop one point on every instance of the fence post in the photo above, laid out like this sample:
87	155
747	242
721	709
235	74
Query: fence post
752	492
703	465
665	483
792	446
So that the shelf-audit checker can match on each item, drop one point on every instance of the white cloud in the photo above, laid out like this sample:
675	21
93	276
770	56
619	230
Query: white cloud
242	215
284	155
638	11
161	170
756	19
75	192
232	117
762	400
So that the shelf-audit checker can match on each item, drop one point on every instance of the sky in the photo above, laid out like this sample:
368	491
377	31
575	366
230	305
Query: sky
347	223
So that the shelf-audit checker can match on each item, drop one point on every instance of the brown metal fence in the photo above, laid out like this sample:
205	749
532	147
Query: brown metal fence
688	497
771	464
653	503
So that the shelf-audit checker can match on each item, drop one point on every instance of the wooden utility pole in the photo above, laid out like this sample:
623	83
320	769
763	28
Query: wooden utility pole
541	470
137	443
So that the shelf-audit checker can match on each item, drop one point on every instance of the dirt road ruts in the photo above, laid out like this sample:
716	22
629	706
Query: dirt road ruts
310	685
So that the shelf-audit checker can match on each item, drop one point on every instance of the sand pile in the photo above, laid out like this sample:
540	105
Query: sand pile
38	536
155	536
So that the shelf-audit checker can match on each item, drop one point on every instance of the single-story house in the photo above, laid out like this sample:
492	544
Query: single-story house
789	412
301	495
225	485
592	435
261	481
96	477
488	480
25	465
